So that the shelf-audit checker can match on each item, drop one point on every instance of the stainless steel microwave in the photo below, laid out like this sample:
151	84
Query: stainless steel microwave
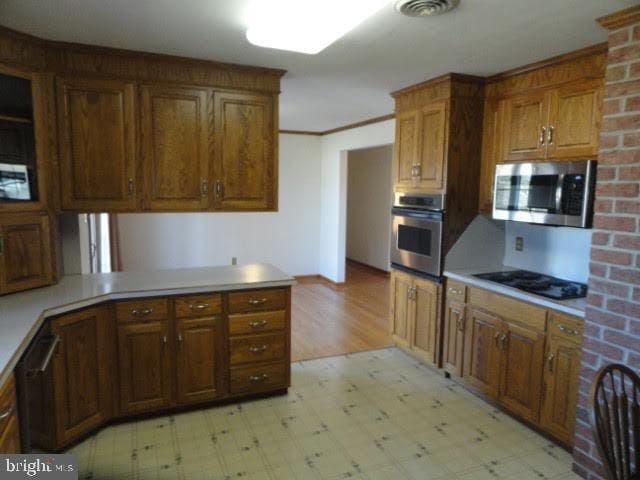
548	193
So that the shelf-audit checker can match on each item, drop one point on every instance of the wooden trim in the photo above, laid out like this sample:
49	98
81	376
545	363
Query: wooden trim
370	268
300	132
565	57
363	123
449	77
620	19
319	279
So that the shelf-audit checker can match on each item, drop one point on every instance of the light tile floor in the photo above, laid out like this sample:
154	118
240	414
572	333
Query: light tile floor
371	415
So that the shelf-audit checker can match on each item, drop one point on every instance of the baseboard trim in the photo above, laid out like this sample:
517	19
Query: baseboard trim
301	279
375	270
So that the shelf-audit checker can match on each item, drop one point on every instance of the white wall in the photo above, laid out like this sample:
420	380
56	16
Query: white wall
369	206
289	238
558	251
333	194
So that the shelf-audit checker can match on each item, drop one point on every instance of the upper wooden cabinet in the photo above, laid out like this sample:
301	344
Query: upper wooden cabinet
176	152
525	127
245	165
97	137
421	147
26	259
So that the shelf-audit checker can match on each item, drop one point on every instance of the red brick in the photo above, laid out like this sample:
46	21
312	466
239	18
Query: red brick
619	158
622	339
630	173
610	107
636	33
595	299
619	37
624	307
594	331
590	359
597	269
632	104
627	122
634	70
606	173
628	206
631	140
630	242
600	238
603	206
610	352
625	275
634	327
610	288
605	319
636	294
620	224
633	361
616	73
610	256
617	190
622	54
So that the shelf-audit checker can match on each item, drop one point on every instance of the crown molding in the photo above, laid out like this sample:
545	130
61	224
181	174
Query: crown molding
620	19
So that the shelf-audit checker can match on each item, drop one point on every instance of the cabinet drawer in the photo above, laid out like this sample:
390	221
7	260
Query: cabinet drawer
257	300
509	308
456	291
198	305
142	310
259	378
566	326
8	405
256	322
256	348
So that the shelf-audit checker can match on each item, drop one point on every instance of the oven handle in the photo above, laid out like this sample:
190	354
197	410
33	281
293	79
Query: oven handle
436	216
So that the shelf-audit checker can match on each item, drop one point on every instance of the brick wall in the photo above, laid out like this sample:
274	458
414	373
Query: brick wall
612	324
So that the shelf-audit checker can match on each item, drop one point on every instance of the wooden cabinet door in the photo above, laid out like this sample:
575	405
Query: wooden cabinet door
574	120
401	307
9	432
246	165
521	370
525	127
97	137
10	436
425	315
198	359
25	253
481	352
405	154
453	342
432	137
560	397
145	366
492	154
176	147
83	378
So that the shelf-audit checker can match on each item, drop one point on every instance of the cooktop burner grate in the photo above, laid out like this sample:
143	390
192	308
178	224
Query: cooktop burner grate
537	283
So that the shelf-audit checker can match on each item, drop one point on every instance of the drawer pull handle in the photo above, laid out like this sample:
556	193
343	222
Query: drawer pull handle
47	358
454	291
259	349
141	312
550	361
258	324
257	301
568	330
198	306
259	378
460	324
8	411
496	338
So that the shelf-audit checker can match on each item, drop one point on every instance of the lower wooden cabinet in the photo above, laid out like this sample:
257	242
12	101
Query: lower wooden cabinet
453	338
145	359
482	352
415	313
26	260
9	431
198	373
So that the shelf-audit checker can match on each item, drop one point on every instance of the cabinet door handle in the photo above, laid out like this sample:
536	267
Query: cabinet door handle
47	358
258	324
416	169
258	378
460	324
550	135
550	359
204	188
179	340
496	339
198	306
141	312
7	411
1	245
259	349
503	342
257	301
164	341
567	330
543	134
218	189
131	186
454	291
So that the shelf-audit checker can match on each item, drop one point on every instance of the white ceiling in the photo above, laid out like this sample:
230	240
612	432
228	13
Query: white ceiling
348	82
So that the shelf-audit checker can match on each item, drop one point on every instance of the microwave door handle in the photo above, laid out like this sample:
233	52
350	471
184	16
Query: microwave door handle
559	193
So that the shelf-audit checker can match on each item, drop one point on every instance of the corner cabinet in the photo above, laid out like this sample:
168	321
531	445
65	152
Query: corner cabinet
97	138
9	424
415	313
245	164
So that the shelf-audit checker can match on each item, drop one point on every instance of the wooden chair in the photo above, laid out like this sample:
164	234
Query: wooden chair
615	420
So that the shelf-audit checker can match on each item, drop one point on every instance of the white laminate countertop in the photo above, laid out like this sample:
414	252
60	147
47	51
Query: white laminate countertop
22	314
575	307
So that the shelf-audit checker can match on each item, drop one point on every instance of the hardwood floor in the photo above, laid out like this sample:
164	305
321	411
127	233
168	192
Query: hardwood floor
333	320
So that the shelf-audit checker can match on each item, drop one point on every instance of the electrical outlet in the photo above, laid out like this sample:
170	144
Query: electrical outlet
519	244
234	260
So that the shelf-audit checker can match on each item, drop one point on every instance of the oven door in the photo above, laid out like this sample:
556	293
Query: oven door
416	240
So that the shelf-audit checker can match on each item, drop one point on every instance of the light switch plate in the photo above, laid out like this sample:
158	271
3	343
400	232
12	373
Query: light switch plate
519	244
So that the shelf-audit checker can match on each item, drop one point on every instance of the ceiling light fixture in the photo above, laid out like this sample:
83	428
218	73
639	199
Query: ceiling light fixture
304	26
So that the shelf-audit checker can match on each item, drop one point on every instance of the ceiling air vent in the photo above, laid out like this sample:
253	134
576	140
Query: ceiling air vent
425	8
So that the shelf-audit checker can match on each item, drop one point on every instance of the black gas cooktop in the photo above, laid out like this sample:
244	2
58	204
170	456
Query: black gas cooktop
537	283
